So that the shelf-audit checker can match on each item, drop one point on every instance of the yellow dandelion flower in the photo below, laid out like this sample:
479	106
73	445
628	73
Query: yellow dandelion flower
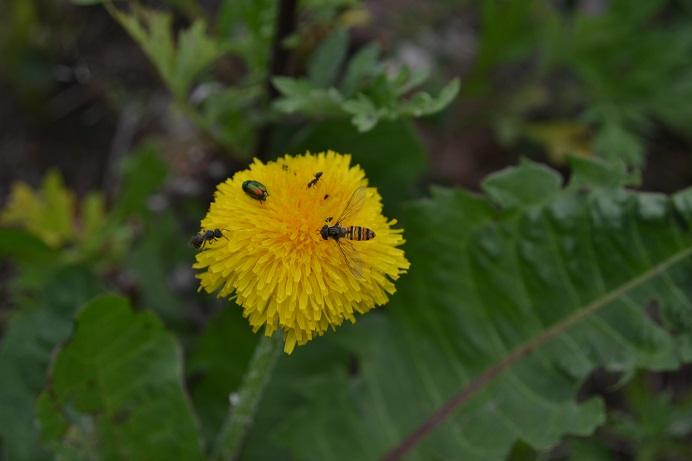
272	256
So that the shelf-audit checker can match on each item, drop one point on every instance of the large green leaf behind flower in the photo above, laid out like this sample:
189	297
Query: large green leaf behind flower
516	297
116	389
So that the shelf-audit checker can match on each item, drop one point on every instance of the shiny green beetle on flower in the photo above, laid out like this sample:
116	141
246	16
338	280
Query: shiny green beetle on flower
255	190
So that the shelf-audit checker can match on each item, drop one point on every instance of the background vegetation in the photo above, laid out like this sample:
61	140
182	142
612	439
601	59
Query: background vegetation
537	153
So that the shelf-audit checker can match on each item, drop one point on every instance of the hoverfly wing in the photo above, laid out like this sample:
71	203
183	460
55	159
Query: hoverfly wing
354	205
351	257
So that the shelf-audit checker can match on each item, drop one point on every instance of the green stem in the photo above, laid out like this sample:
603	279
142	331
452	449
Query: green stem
239	417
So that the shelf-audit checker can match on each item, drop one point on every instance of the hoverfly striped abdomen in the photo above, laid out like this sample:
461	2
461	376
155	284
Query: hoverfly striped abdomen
342	235
360	233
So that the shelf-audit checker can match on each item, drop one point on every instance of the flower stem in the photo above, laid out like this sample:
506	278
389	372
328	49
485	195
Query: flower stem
241	412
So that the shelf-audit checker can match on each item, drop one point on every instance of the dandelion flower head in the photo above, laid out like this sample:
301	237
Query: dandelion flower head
273	259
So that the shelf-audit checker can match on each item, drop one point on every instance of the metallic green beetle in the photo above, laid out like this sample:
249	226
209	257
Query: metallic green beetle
256	190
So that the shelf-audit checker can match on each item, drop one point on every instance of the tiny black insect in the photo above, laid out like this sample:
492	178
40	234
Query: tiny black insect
198	240
284	167
317	177
326	196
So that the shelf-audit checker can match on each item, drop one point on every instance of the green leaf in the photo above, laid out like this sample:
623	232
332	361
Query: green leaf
632	39
218	359
196	50
365	113
152	32
406	80
653	423
93	216
116	386
59	205
22	246
423	104
300	95
43	320
509	32
47	213
326	61
300	378
233	113
614	142
523	186
384	98
382	101
589	450
362	66
178	65
160	251
143	172
290	86
596	172
513	309
93	221
247	28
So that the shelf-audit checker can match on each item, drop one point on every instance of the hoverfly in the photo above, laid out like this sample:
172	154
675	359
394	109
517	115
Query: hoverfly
314	181
198	240
343	234
255	190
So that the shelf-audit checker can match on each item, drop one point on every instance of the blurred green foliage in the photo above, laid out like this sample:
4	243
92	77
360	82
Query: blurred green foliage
623	67
63	259
656	426
229	112
367	92
150	372
46	295
50	213
652	425
24	47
